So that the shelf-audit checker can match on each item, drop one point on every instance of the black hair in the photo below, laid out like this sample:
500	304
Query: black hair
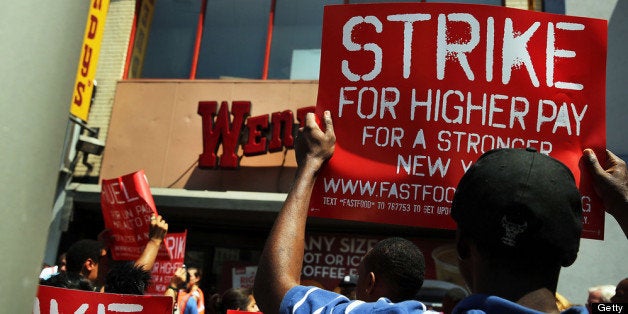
232	299
400	264
127	278
80	251
69	280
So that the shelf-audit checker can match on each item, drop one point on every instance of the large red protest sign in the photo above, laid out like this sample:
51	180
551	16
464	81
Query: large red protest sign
52	300
418	91
127	205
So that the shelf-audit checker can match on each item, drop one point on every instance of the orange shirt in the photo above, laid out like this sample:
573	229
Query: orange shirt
197	294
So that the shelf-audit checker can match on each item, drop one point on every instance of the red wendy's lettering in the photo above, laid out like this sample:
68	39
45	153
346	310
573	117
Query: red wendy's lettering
222	131
257	135
418	91
282	130
256	143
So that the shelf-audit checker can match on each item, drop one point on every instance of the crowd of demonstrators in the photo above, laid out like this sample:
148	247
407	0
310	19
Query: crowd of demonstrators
88	265
240	299
518	222
518	216
188	298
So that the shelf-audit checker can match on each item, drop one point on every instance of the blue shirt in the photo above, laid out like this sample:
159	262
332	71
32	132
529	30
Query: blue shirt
190	306
483	304
300	300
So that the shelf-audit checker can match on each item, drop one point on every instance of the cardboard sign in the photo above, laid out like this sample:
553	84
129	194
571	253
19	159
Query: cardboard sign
127	205
170	257
243	277
52	300
418	91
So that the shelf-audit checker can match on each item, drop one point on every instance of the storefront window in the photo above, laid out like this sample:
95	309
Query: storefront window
235	35
297	38
171	39
234	39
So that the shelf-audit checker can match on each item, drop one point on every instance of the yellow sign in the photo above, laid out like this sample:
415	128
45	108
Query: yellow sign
84	84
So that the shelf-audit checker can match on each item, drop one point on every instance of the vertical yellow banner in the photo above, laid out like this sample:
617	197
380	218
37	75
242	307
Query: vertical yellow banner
84	84
141	38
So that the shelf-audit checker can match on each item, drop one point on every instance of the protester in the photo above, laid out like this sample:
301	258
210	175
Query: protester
186	295
88	259
518	216
600	294
50	271
69	280
240	299
127	278
621	292
177	282
192	295
279	269
394	268
85	259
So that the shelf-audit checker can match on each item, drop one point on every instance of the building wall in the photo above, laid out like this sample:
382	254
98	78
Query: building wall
110	70
40	44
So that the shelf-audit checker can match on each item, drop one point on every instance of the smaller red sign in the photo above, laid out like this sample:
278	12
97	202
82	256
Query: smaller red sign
127	205
61	300
170	257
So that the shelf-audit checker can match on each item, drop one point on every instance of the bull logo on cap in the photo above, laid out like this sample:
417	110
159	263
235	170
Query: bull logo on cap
511	231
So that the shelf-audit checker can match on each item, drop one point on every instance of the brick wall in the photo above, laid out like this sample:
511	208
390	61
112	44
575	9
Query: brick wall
110	69
536	5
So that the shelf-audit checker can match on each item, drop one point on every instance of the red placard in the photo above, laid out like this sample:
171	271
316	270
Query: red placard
170	257
61	300
418	91
127	205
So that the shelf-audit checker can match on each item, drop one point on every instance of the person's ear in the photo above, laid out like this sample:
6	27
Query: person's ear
370	283
89	264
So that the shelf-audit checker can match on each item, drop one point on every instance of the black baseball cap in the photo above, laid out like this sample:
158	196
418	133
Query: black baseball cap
516	202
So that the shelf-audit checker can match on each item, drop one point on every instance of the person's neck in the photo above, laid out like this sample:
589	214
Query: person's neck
541	300
533	289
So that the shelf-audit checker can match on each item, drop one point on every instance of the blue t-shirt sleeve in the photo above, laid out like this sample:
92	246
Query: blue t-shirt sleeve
301	300
190	306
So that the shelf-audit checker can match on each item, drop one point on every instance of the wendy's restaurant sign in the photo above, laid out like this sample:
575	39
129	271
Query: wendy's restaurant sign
418	91
256	135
